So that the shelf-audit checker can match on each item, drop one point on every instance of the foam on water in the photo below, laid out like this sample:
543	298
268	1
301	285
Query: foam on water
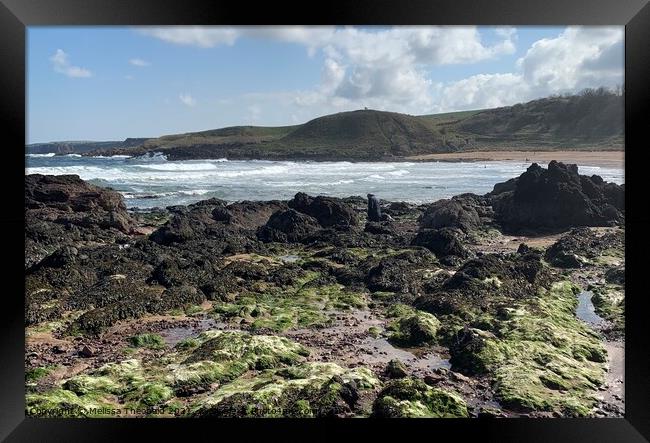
149	181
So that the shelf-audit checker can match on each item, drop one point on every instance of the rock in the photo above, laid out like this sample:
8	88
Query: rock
62	210
379	228
580	245
58	349
442	242
398	208
214	218
433	380
558	197
87	352
395	369
615	275
288	226
470	351
454	213
329	211
398	273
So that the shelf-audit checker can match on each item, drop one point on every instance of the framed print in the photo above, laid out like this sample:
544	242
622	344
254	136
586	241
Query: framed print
427	215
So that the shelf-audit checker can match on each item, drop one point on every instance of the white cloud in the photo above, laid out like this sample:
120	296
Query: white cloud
394	68
187	99
571	60
578	58
139	62
62	65
483	91
205	37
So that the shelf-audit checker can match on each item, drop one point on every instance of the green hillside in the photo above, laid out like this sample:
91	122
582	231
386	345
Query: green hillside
590	120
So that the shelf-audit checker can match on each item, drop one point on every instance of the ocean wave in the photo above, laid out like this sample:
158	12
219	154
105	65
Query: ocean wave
111	156
50	154
151	157
195	192
153	195
72	155
175	167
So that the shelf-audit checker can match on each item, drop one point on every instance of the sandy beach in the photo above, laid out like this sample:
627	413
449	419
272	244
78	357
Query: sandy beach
610	159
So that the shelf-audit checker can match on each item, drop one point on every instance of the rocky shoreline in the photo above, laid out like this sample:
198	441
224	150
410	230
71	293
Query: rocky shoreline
464	307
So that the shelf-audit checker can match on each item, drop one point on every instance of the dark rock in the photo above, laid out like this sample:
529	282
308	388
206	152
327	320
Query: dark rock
443	242
288	226
395	369
576	248
87	352
555	198
213	218
399	273
329	211
615	275
62	210
454	213
379	228
466	347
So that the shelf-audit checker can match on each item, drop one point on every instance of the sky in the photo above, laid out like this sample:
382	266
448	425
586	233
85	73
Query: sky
110	83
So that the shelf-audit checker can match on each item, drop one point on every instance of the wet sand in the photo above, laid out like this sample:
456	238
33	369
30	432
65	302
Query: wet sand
608	159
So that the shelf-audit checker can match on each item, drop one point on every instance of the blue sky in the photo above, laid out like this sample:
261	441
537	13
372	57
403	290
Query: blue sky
109	83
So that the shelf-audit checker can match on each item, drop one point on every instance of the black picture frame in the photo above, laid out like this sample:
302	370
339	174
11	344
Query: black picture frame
16	15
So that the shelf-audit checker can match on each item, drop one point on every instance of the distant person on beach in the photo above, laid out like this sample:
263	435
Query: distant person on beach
374	211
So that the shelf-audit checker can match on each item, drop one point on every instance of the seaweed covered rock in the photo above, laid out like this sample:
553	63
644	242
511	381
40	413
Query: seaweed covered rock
395	369
581	246
457	212
444	242
412	327
411	397
67	199
215	218
555	198
288	226
307	390
399	273
62	210
473	351
329	211
489	280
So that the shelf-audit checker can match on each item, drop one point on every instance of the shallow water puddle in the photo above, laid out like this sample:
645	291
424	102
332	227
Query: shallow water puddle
289	258
176	334
383	351
586	311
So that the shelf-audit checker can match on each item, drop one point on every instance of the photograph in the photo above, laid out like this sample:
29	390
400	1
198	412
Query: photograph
350	221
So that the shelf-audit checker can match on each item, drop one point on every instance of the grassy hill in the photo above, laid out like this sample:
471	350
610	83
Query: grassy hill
590	120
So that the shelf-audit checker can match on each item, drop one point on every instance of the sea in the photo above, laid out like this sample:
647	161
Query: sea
152	181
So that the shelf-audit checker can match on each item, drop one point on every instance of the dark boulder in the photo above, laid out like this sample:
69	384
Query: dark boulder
454	213
580	245
395	369
64	210
444	243
288	226
555	198
215	219
329	211
468	349
399	273
380	228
